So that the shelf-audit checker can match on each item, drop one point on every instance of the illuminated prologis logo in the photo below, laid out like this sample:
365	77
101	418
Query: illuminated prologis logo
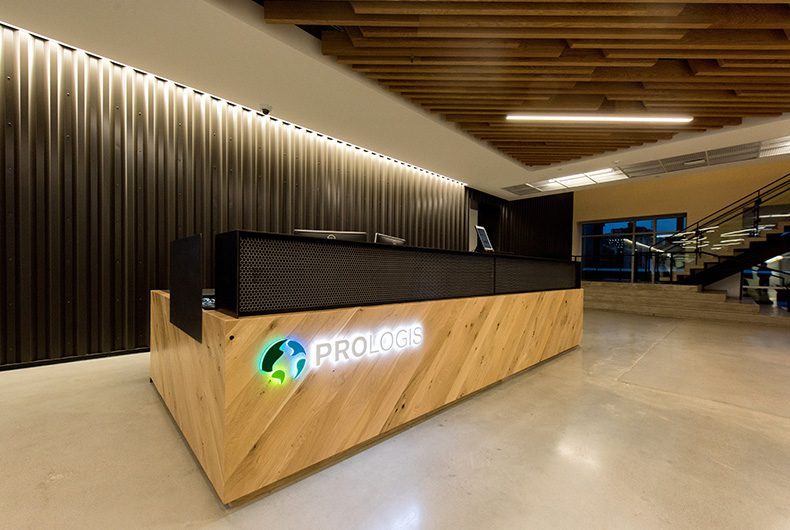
282	359
287	358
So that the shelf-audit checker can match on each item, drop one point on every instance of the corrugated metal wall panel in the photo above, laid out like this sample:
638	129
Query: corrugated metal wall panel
103	166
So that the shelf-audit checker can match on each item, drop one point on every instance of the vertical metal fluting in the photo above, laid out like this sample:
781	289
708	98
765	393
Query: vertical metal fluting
104	165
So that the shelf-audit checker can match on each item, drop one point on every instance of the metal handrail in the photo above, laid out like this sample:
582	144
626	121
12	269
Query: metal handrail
773	185
765	193
784	275
652	254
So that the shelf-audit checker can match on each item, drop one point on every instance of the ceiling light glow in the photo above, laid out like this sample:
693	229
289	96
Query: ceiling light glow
599	118
580	179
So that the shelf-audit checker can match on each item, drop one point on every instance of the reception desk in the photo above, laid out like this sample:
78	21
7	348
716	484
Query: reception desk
302	367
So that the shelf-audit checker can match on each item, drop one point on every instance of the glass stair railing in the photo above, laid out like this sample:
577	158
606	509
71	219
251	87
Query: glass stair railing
733	230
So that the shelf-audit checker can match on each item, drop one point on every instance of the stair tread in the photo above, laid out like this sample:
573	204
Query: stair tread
700	305
644	286
703	315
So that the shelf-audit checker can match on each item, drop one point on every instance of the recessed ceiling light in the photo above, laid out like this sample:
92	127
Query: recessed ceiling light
599	118
580	179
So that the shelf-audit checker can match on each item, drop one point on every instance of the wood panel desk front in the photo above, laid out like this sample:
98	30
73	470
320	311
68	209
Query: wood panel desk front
367	372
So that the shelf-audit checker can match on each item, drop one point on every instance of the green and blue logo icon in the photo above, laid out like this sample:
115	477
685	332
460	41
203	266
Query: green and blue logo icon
282	359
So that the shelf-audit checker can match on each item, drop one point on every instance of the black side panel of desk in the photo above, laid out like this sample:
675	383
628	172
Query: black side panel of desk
186	285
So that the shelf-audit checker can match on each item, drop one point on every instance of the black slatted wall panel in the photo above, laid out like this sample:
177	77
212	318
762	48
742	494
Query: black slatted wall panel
103	166
541	227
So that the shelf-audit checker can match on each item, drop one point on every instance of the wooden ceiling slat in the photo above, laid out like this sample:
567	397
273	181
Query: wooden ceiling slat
754	63
783	93
587	22
594	60
323	13
359	41
326	13
735	99
719	16
337	43
623	9
548	76
384	71
476	97
493	70
472	62
709	67
428	33
731	84
696	54
741	16
716	39
608	89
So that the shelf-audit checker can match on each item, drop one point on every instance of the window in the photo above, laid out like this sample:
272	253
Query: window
622	250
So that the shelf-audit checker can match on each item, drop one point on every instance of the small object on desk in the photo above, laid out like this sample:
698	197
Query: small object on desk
385	239
482	237
333	234
208	302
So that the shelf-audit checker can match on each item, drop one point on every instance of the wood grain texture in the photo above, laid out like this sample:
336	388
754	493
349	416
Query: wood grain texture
189	377
491	47
262	433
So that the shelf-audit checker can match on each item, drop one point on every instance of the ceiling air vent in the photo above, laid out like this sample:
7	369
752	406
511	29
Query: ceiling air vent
690	161
735	153
775	147
521	189
643	169
714	157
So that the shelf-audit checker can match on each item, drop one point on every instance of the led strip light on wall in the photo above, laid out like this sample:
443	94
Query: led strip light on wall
274	119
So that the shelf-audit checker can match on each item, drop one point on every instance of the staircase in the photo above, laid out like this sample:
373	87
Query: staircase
743	234
676	301
752	251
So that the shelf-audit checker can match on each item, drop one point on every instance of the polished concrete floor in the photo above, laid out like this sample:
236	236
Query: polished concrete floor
652	423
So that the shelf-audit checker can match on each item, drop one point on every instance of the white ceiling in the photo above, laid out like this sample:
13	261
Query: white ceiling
223	47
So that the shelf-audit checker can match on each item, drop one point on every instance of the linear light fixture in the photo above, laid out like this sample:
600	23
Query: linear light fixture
599	118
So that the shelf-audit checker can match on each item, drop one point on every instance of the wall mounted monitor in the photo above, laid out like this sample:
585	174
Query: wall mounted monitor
385	239
333	234
482	236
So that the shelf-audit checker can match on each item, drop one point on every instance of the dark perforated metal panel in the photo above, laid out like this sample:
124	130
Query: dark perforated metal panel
518	275
290	274
278	273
